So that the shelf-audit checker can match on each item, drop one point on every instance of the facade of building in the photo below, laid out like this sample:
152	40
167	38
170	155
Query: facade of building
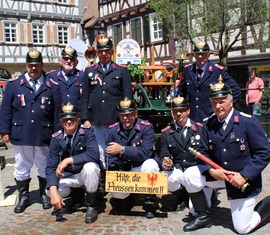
47	25
120	19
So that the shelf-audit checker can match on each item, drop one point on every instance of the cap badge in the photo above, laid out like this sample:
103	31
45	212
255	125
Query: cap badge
218	86
103	41
178	100
200	44
34	53
125	104
67	108
69	50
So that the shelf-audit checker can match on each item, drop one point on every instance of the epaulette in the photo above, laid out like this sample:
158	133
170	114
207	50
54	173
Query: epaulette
57	133
245	115
166	128
199	124
219	66
50	72
123	66
113	125
188	65
90	65
81	131
48	84
145	123
54	82
85	126
13	79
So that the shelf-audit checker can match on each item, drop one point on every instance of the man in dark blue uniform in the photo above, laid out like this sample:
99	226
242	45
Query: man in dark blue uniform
174	154
68	78
29	116
198	78
73	162
236	142
130	148
105	85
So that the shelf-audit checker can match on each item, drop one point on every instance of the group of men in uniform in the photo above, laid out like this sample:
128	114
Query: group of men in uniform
71	161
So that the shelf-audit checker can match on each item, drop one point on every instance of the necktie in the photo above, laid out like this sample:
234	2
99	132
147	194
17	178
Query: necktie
182	133
199	75
105	68
69	137
69	76
34	83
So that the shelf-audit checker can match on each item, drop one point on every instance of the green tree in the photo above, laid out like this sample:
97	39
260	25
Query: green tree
228	24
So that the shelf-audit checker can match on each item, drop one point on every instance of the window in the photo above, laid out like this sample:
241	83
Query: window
117	33
62	1
136	31
63	35
10	32
156	29
38	36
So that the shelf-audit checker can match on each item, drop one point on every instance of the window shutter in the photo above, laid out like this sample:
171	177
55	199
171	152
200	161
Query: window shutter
71	32
55	34
22	33
29	32
146	29
48	36
2	32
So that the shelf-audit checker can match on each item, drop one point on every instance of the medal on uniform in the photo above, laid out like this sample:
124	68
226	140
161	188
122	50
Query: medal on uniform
43	99
242	146
98	79
22	100
211	147
197	137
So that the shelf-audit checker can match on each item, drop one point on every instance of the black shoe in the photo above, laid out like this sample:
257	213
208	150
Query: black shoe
22	204
201	221
181	206
122	206
46	202
91	215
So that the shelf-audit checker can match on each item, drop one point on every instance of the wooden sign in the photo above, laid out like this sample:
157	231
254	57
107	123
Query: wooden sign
136	182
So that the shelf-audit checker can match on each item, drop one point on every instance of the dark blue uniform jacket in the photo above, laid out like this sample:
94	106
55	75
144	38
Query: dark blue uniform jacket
242	147
198	93
30	118
84	149
69	92
102	93
172	145
138	144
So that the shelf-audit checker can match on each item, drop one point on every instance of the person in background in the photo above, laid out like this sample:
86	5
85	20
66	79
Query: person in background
73	162
130	146
68	78
236	142
105	84
29	115
254	93
197	80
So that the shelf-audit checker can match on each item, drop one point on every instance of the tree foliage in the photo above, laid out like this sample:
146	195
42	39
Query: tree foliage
228	24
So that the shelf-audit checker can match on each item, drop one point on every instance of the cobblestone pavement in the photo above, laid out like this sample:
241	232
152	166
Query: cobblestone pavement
36	221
